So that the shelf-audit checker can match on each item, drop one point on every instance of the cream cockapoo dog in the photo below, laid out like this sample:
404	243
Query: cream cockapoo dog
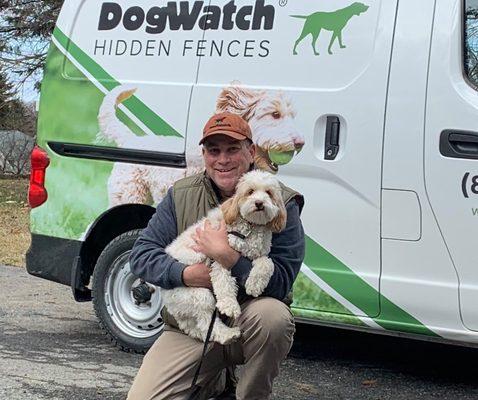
251	216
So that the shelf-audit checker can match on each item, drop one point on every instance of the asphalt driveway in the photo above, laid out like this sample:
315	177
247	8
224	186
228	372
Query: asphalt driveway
52	348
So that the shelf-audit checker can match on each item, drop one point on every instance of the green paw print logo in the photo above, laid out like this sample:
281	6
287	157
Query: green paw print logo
334	21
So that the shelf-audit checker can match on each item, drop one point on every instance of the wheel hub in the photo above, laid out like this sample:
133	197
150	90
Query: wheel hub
133	305
142	293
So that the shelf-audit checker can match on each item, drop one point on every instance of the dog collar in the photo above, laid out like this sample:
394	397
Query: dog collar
245	234
236	233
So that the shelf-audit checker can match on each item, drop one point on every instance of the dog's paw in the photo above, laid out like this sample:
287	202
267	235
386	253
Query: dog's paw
228	336
254	288
229	308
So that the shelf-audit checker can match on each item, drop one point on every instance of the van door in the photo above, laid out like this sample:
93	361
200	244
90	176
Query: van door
451	142
311	77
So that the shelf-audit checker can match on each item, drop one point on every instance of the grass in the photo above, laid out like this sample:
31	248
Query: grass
14	221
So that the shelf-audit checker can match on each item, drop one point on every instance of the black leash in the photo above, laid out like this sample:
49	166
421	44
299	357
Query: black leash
195	393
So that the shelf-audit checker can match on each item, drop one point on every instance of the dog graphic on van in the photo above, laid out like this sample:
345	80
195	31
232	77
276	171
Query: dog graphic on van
330	21
270	115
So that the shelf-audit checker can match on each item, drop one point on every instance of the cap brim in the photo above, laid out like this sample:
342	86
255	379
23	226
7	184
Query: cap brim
233	135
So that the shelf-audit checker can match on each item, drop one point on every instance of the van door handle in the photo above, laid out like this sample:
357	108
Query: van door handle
459	144
332	136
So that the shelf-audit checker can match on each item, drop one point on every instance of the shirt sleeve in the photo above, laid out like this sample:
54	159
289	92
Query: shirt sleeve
148	259
287	254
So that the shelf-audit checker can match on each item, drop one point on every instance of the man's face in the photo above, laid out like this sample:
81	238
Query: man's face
226	160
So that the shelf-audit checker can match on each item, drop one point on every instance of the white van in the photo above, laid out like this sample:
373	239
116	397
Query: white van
370	110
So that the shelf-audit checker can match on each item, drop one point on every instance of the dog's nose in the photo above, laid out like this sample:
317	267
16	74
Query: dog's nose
259	205
298	144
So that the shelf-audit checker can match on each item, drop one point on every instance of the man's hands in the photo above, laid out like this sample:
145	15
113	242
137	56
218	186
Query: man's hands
197	275
214	244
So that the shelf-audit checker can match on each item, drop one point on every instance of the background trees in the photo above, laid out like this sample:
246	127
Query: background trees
25	29
471	36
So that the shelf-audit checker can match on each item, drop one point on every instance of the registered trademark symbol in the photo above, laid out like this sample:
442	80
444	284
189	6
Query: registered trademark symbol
282	3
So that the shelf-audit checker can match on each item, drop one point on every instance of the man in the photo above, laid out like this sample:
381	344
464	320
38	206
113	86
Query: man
266	322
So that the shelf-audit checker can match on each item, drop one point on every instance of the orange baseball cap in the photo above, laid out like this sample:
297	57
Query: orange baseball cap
228	124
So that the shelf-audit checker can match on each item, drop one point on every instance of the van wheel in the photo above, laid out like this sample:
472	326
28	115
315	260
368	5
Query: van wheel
127	308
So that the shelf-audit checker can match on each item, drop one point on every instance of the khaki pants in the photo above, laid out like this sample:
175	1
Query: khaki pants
168	368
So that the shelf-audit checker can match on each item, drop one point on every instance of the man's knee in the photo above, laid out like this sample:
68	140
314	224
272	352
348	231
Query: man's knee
268	317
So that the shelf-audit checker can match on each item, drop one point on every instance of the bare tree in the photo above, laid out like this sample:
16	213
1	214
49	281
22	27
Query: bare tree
15	149
471	54
25	30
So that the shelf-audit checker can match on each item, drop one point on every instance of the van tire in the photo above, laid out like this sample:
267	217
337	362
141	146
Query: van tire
130	326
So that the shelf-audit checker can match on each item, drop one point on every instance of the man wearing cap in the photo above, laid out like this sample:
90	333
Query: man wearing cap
266	323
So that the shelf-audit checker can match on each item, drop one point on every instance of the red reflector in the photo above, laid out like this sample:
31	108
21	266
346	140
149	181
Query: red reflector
37	193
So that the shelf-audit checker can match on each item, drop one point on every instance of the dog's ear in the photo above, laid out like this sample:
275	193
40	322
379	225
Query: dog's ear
230	210
237	100
279	222
125	95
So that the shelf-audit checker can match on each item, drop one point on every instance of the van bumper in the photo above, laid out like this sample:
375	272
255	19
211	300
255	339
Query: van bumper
52	258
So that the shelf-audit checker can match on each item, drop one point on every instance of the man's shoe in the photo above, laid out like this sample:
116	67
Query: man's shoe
225	396
228	394
231	383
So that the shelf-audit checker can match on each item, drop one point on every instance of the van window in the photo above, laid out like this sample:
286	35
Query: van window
471	40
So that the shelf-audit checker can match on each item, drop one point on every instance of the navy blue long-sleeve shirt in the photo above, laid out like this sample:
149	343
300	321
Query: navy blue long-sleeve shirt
149	261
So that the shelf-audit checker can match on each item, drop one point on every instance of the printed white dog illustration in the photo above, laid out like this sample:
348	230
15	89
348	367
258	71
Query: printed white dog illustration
269	114
251	215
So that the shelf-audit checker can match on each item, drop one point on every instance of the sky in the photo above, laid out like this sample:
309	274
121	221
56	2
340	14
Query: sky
28	92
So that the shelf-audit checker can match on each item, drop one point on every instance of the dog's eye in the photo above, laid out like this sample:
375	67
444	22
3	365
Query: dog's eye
276	115
250	192
269	193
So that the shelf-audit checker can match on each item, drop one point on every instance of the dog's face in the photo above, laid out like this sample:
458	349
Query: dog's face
271	118
359	8
258	200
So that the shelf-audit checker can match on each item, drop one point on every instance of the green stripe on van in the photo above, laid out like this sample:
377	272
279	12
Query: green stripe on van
153	121
358	292
341	278
312	301
394	318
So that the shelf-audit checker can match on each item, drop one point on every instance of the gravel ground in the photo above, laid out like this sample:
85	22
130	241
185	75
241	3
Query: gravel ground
52	348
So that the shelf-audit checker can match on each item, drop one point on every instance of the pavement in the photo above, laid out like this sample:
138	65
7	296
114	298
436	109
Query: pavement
52	348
